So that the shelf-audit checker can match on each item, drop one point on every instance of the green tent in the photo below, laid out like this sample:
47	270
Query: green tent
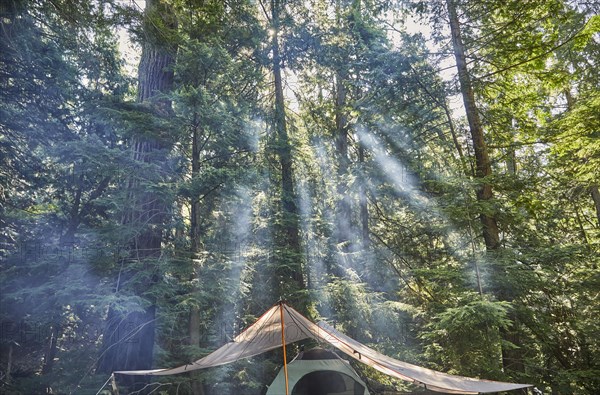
318	372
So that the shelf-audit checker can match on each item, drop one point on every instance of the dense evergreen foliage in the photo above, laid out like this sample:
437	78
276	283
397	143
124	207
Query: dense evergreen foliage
435	193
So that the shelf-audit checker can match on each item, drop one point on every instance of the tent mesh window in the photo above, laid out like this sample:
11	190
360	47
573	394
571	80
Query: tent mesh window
327	382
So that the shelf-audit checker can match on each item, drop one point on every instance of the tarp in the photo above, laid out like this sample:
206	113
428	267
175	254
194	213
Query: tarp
265	335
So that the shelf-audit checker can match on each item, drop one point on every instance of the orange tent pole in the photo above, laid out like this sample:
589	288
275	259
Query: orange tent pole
285	372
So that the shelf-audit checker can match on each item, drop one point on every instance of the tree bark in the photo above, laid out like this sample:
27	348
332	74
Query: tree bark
195	215
195	223
129	337
482	161
596	198
511	155
290	245
196	245
364	206
344	231
511	359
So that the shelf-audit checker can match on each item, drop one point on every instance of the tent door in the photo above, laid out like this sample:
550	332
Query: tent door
327	382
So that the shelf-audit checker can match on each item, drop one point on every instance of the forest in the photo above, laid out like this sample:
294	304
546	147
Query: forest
422	174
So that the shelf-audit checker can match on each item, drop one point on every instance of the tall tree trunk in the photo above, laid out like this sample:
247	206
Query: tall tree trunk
596	199
129	337
195	221
364	206
482	161
511	154
512	360
290	265
196	246
344	231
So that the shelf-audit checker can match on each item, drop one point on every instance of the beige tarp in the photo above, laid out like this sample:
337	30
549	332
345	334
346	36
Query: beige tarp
265	335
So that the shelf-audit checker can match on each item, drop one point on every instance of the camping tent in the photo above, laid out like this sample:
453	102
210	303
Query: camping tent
281	325
318	372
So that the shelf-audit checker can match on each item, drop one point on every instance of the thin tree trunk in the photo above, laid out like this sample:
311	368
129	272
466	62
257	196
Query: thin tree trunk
194	330
596	199
511	155
195	217
482	161
195	223
196	247
344	231
364	206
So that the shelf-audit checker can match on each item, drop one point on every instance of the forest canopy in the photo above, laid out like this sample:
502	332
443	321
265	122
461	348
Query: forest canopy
422	174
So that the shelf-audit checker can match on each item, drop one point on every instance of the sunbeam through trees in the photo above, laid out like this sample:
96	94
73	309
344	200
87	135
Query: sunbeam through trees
422	176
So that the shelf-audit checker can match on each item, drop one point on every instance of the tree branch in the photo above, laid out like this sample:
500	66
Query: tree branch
535	57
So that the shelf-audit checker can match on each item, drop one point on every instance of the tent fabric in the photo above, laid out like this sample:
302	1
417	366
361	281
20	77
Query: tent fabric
262	336
323	375
431	379
265	335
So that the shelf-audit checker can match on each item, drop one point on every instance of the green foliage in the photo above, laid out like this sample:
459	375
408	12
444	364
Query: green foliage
420	287
467	337
577	148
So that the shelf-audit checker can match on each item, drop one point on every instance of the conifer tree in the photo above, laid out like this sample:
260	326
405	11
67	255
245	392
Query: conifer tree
288	248
128	342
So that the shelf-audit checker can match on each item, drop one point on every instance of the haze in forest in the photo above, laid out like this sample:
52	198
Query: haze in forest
422	175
